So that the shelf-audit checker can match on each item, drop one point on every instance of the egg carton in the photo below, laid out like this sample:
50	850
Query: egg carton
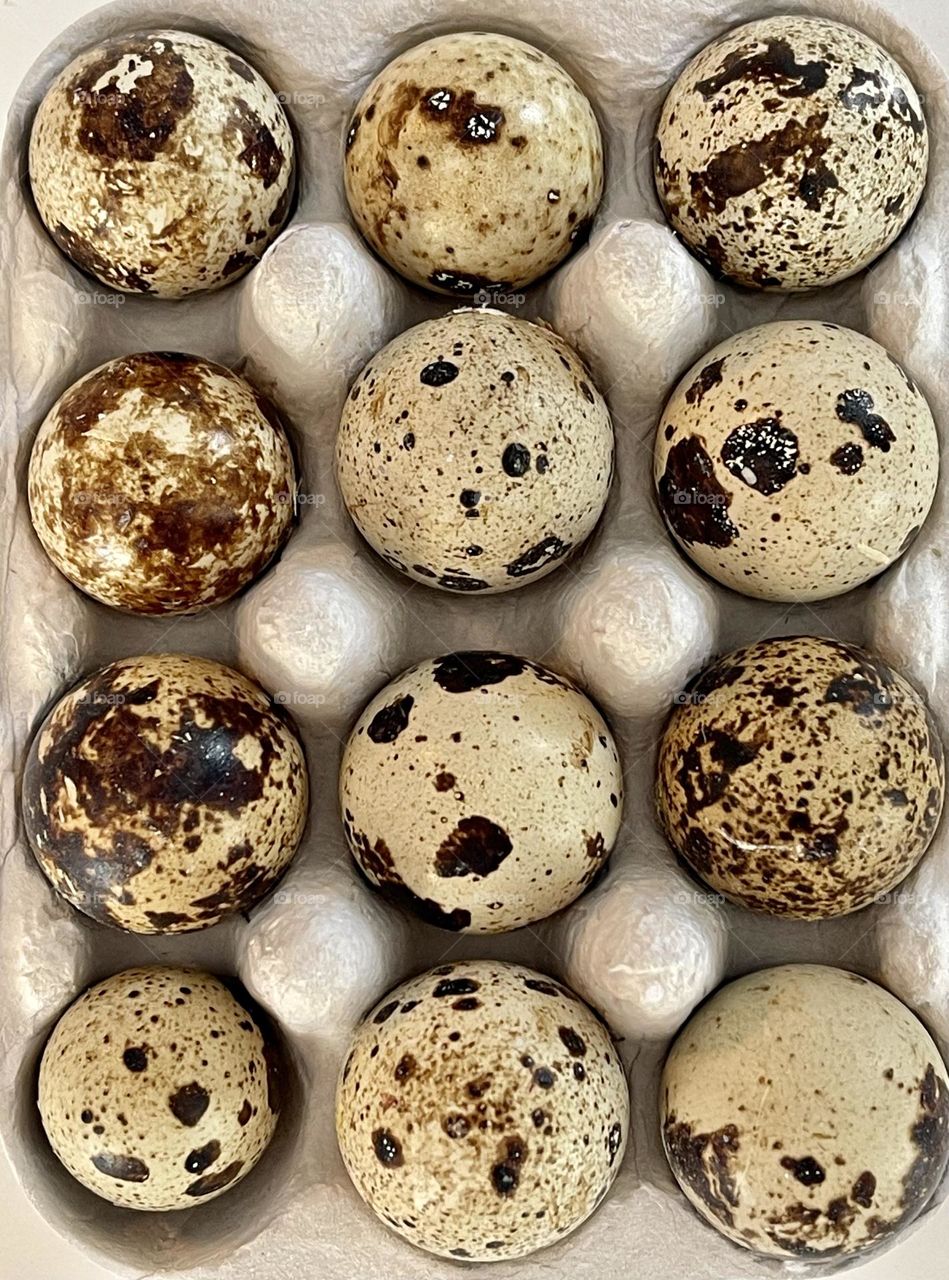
629	620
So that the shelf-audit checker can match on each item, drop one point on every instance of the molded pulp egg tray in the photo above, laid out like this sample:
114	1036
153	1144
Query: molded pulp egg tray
330	623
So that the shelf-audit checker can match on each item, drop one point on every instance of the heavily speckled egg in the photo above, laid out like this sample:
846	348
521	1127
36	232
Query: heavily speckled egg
791	152
159	1088
164	793
162	163
796	460
481	790
801	777
474	452
161	483
805	1112
473	163
482	1111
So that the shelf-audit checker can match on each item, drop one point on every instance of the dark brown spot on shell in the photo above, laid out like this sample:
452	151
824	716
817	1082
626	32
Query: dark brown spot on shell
391	720
122	1168
388	1149
203	1157
212	1182
762	454
189	1103
477	846
856	406
692	500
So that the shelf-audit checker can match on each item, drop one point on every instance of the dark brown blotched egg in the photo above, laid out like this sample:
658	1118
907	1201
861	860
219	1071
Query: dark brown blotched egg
474	452
805	1113
161	483
159	1088
482	1111
162	163
800	777
791	152
796	460
481	790
164	793
473	164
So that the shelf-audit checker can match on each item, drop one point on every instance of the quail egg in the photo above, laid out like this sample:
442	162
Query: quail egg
473	163
474	452
796	460
162	163
161	483
805	1112
159	1088
791	152
164	793
801	777
481	790
482	1111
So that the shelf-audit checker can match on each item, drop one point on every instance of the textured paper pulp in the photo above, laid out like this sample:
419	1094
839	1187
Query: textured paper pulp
329	624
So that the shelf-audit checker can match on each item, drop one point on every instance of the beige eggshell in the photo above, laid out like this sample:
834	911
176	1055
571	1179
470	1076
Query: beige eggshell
801	777
161	483
805	1112
158	1089
481	790
482	1111
162	163
791	152
473	163
164	793
474	452
796	460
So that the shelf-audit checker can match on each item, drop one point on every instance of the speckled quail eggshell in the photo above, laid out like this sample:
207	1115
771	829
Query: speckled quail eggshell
796	460
481	790
791	152
482	1111
474	452
473	162
162	163
158	1089
801	777
805	1112
161	483
164	793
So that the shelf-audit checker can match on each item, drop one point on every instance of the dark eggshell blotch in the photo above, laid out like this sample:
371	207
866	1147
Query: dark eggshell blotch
164	793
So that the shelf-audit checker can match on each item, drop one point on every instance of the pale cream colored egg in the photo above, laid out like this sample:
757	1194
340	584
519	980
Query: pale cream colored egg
161	483
159	1088
805	1112
482	1111
473	163
791	152
796	460
162	163
164	793
474	452
482	791
800	776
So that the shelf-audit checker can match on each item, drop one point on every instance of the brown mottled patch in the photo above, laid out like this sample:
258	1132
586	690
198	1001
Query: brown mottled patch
704	1163
738	169
189	1103
138	123
774	66
260	151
